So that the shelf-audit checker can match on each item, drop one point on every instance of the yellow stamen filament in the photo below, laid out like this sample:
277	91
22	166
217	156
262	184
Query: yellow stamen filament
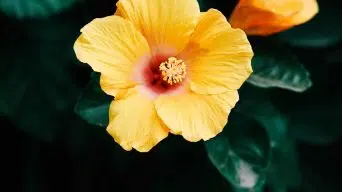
173	70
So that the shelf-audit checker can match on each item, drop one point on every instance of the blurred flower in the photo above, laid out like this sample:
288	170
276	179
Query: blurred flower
169	67
266	17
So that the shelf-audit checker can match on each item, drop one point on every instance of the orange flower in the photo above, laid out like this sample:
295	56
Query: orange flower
266	17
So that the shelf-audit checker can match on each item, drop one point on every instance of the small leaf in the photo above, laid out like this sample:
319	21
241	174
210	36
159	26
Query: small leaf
241	153
34	8
275	66
93	104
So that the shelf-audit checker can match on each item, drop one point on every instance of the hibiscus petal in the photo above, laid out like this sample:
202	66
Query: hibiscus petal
310	9
218	57
284	7
195	116
112	46
265	17
134	122
164	23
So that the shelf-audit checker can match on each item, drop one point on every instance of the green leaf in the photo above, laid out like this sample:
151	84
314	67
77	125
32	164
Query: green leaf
241	153
322	31
236	189
260	108
22	9
276	66
248	139
282	171
11	95
93	104
315	116
238	172
40	80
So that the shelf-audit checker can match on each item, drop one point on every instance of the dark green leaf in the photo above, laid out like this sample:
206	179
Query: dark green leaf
93	104
248	139
33	96
236	189
237	171
12	92
275	66
283	172
260	108
241	153
315	116
325	29
22	9
40	80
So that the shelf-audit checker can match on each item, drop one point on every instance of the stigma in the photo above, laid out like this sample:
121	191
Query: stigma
173	70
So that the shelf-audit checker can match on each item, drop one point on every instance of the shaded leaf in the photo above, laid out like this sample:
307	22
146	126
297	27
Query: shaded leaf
22	9
241	153
38	78
283	172
35	93
260	108
315	115
237	171
248	139
13	92
235	189
93	104
275	66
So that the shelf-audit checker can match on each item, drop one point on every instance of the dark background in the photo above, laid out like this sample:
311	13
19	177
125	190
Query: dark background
46	147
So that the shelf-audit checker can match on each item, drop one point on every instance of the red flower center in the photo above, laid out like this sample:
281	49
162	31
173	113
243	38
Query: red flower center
164	73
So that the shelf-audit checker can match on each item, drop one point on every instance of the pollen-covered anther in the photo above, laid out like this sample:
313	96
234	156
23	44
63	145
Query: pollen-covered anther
173	70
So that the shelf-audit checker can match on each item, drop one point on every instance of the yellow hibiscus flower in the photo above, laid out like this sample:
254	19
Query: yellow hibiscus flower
266	17
170	68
